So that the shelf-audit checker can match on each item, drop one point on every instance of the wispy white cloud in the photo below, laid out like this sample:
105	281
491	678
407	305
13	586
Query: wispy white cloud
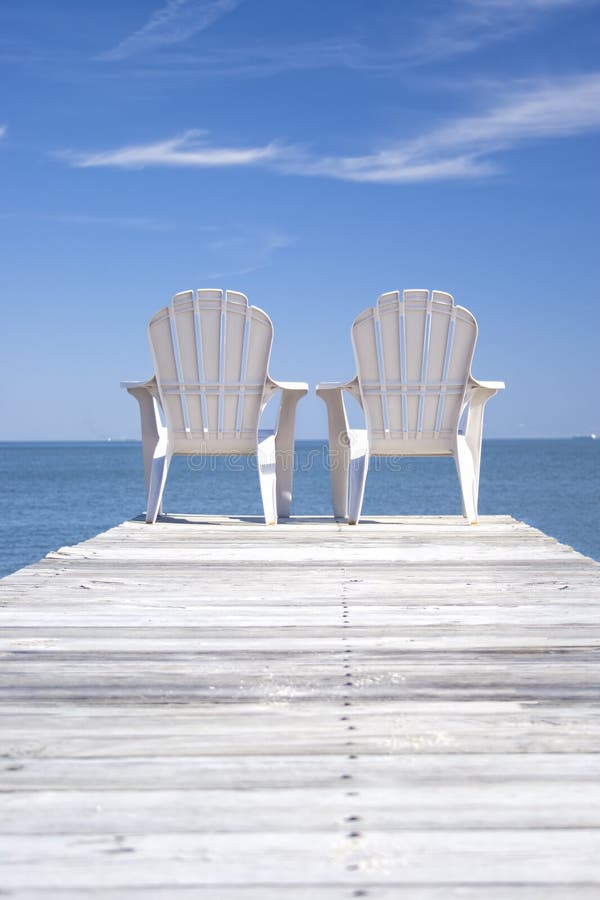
522	6
173	23
2	130
550	109
465	26
256	59
446	29
395	41
145	223
239	249
464	147
396	165
187	149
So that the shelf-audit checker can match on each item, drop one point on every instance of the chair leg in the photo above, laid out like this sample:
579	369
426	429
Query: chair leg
158	479
284	450
473	439
340	474
468	478
359	466
284	482
267	476
338	451
151	430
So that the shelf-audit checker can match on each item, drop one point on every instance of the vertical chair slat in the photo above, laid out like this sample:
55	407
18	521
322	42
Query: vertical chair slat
209	316
389	324
258	351
465	335
364	336
243	366
444	328
236	306
391	341
415	316
441	306
424	370
459	362
185	329
165	366
452	369
382	379
402	324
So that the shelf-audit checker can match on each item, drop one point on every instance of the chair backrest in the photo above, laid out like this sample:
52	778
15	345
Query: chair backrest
413	357
211	354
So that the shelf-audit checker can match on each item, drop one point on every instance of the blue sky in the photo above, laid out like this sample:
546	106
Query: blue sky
312	155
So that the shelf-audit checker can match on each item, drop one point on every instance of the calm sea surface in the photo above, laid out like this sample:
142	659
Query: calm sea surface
61	493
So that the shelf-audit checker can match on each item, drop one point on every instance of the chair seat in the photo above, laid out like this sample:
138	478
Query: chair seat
213	446
411	446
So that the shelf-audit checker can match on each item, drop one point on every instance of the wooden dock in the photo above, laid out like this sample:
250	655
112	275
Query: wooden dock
213	709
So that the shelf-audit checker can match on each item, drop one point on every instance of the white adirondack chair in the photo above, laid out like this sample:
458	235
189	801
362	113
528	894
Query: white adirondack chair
413	358
211	384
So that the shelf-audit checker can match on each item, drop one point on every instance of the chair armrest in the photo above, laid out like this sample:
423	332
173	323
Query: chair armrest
478	393
338	385
325	388
300	386
150	385
291	393
487	385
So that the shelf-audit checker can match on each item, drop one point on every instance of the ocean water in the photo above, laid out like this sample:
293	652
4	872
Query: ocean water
55	494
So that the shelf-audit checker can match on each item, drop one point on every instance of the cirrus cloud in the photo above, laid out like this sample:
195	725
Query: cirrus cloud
184	150
464	147
177	21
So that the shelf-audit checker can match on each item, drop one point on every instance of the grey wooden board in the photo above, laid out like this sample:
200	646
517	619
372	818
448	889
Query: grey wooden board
330	891
210	708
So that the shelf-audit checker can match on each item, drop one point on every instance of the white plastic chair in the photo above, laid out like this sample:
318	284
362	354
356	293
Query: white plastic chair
413	358
211	384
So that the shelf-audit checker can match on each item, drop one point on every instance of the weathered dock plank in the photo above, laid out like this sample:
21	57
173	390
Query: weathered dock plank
209	708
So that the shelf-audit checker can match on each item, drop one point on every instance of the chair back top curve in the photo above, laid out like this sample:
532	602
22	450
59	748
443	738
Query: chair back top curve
413	356
211	353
